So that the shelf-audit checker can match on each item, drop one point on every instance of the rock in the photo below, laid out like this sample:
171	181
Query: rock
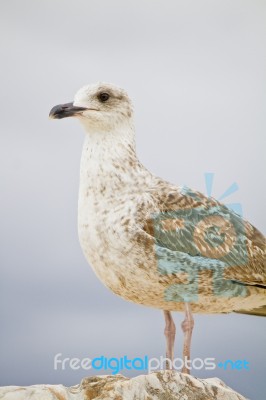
165	385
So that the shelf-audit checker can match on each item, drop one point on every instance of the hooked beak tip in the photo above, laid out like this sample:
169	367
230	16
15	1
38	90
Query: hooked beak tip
65	110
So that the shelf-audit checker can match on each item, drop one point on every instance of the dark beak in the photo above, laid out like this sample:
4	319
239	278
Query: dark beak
65	110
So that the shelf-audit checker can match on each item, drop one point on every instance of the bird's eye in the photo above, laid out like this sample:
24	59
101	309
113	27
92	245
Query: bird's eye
103	97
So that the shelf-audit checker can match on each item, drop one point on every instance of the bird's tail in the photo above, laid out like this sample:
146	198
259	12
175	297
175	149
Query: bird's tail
260	311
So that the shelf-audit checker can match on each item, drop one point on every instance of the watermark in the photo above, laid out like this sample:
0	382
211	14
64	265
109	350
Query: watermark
116	365
198	233
234	365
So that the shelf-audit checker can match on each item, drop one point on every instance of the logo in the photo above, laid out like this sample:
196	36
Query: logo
200	234
116	365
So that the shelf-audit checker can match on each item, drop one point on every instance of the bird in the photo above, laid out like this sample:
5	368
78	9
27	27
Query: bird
150	241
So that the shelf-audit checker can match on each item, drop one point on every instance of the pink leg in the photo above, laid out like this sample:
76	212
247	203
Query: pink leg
187	327
169	332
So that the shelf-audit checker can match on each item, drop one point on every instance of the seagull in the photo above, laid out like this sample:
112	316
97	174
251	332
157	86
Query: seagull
152	242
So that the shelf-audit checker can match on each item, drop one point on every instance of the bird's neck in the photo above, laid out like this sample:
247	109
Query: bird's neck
109	160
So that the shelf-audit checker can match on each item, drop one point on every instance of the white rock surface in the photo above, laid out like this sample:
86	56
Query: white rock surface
166	385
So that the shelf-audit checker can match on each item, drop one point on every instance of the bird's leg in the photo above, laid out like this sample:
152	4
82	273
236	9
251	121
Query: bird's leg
187	327
169	332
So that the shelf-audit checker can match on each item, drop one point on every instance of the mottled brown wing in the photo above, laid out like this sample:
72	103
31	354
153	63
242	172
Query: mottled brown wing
187	221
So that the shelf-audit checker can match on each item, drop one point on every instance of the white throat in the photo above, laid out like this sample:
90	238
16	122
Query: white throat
108	161
104	150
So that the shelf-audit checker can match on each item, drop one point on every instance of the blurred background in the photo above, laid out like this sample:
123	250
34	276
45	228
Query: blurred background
195	70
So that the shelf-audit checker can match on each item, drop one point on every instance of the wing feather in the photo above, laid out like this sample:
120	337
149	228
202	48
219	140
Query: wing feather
185	221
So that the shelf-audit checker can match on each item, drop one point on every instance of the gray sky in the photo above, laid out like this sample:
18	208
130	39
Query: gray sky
195	70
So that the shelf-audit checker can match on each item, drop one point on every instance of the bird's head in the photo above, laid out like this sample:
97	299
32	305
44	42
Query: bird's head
100	107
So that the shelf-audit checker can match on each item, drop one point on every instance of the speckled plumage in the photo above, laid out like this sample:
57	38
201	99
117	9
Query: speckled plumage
132	234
